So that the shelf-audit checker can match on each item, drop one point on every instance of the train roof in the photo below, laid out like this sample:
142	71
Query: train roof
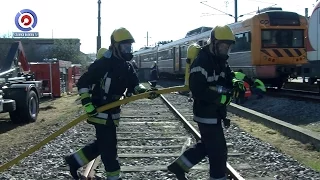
205	31
199	30
145	50
317	6
185	40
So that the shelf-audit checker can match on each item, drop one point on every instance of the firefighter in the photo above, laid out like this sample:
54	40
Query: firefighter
111	75
212	85
154	75
258	88
241	76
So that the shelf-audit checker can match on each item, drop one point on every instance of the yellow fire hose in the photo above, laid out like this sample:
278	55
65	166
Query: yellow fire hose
83	117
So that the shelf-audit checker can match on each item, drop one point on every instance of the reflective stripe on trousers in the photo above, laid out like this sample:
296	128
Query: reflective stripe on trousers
205	120
115	175
184	163
81	158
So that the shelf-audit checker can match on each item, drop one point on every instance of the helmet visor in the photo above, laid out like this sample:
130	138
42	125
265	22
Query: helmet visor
125	48
224	48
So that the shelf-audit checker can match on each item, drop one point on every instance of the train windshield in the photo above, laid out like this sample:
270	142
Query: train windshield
282	38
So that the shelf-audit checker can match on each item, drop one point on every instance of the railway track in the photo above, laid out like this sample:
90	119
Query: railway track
295	94
148	143
151	136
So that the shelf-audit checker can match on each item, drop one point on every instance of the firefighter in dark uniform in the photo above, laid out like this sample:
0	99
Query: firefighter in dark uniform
242	77
213	86
111	75
154	75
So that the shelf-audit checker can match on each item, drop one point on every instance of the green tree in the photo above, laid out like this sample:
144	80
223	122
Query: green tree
63	49
66	49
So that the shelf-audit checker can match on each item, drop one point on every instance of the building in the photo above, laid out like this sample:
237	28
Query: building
37	49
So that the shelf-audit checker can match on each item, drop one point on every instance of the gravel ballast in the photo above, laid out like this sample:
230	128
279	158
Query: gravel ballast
264	160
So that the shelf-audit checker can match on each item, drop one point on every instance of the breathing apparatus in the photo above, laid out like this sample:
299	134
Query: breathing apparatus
121	44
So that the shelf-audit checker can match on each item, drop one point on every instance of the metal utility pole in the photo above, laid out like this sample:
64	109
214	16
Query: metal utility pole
147	38
306	13
99	27
235	10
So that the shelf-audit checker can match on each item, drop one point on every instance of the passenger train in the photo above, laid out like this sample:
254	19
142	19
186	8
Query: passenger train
269	46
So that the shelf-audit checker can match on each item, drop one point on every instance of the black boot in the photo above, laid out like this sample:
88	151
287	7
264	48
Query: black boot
73	167
178	171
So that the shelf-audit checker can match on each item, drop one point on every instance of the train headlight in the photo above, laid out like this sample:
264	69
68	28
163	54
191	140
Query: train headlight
265	57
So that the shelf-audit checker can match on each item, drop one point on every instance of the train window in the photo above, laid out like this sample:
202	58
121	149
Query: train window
164	54
144	57
282	38
242	43
184	51
170	54
135	58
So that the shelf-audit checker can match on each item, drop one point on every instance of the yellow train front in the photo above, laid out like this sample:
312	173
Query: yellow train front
270	46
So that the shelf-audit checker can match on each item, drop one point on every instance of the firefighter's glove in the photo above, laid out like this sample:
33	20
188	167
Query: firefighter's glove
128	94
225	99
152	94
140	89
238	88
90	110
226	122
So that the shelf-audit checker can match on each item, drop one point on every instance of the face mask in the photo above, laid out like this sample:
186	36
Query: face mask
127	56
223	50
126	51
125	48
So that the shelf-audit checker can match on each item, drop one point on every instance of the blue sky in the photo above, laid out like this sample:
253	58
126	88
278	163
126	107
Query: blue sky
163	19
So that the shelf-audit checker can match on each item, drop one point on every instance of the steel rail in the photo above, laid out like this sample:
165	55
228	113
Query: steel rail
232	173
295	94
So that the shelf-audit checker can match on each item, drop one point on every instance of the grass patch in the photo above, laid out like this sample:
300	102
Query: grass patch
304	153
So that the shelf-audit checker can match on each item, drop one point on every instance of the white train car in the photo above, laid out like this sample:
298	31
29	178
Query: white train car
312	69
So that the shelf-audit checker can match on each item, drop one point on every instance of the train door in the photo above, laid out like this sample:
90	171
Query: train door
139	61
176	59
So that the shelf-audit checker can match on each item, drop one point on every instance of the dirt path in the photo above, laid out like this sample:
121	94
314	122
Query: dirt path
53	115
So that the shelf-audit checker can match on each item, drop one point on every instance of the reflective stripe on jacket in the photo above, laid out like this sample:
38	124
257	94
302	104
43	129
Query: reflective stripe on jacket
206	71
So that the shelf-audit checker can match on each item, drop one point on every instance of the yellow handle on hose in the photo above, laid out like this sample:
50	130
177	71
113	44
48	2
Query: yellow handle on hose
83	117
